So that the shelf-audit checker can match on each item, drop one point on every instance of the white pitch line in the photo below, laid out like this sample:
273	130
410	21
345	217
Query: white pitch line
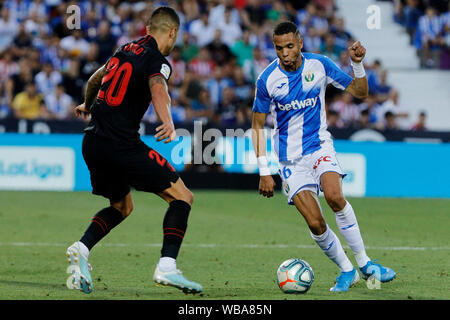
212	245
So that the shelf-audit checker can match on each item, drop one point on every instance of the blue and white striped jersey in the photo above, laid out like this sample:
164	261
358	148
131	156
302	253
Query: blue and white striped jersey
297	102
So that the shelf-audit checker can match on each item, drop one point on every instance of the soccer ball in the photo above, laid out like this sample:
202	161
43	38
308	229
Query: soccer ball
295	276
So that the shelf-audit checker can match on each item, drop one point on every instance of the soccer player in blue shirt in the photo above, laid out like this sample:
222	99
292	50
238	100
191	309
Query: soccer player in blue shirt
292	89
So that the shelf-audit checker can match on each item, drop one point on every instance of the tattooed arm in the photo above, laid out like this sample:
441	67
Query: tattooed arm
93	85
161	102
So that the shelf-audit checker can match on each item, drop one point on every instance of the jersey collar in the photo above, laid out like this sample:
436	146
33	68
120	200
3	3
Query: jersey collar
290	73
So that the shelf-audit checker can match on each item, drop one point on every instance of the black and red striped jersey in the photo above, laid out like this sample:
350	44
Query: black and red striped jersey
124	94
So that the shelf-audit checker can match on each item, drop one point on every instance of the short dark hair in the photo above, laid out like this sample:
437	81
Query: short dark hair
163	18
285	28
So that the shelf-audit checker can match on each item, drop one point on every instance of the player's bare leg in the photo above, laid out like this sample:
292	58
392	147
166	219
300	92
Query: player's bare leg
125	206
331	183
308	205
180	200
78	253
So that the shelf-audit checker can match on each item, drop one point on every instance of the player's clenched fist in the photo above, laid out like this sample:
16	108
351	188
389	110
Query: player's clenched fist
357	52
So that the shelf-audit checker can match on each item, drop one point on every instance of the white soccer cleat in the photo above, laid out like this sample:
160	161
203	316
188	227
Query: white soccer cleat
79	268
177	280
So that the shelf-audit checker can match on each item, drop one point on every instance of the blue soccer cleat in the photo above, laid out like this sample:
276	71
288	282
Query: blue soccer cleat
79	268
176	279
382	274
345	280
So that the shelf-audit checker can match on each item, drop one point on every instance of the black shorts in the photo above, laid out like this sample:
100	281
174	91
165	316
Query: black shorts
115	168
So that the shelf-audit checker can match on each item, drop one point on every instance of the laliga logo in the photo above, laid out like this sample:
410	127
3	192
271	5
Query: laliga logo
296	105
324	159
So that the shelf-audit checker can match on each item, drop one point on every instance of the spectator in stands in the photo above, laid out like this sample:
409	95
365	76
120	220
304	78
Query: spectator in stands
59	104
106	41
364	121
330	49
8	66
8	28
370	104
75	44
19	9
47	79
5	110
373	74
342	37
333	120
201	109
389	121
400	113
189	49
319	22
17	82
420	124
89	63
231	31
348	111
29	104
305	18
255	11
178	67
202	30
259	63
217	13
131	34
202	66
220	52
36	26
243	50
228	107
21	42
412	14
216	85
89	25
383	88
311	41
178	111
241	86
430	33
276	12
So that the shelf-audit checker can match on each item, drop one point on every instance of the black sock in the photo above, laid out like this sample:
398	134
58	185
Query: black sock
174	227
101	224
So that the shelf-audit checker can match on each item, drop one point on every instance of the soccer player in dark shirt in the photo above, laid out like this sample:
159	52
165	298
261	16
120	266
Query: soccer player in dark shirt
117	96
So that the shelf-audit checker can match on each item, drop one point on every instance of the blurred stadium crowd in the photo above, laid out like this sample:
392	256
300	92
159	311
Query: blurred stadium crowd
427	23
222	47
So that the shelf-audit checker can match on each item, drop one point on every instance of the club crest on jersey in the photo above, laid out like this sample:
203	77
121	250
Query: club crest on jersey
309	76
296	105
165	71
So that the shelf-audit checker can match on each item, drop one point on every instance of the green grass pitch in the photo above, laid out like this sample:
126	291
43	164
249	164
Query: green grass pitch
234	244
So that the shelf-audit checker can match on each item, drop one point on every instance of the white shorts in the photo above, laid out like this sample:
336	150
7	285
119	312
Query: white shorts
304	173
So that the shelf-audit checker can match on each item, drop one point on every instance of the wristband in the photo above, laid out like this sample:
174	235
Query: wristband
358	69
263	166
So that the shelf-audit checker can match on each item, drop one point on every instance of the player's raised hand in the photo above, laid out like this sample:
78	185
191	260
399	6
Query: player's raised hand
81	112
165	131
357	52
266	186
